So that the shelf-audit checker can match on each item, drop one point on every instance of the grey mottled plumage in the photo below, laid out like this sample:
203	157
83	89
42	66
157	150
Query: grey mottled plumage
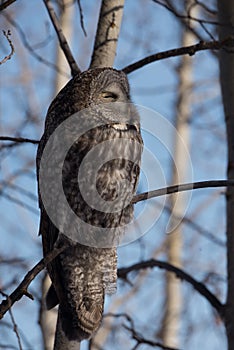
82	274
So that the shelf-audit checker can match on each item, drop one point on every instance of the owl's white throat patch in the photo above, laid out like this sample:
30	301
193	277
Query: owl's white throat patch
120	127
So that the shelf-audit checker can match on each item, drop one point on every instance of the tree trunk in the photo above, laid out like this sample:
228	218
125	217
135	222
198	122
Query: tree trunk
171	321
226	18
107	33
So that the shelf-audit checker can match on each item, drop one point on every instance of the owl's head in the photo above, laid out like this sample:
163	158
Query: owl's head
108	85
105	88
106	92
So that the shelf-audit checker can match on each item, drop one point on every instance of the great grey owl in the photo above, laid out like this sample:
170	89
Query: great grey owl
84	272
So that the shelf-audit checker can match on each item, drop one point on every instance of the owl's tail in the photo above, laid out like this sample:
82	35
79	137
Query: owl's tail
68	336
88	273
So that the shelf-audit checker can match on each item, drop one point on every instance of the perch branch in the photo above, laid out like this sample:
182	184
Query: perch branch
181	188
186	50
18	139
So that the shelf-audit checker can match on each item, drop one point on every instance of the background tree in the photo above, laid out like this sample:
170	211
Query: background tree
29	68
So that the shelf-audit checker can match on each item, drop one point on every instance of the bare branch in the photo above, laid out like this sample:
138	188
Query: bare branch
141	340
8	57
22	289
62	40
15	327
107	33
172	9
181	188
5	4
18	139
81	17
198	286
187	19
187	50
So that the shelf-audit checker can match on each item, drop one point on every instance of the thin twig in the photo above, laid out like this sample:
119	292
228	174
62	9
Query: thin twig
8	57
181	188
15	328
21	290
186	50
135	335
141	340
81	17
30	48
18	139
62	40
198	286
187	20
187	16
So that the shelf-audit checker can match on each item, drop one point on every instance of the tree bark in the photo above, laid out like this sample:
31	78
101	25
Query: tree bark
107	33
226	29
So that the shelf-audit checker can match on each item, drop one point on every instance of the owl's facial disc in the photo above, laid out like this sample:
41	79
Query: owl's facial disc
113	93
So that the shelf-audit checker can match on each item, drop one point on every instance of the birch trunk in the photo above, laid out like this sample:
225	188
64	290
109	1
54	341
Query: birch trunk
171	321
226	17
107	33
